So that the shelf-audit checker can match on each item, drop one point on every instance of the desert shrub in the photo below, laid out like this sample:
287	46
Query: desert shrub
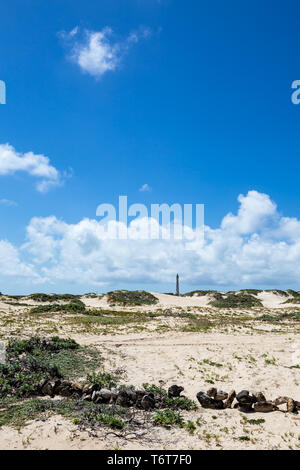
168	418
235	301
52	297
76	306
182	403
250	291
294	300
199	293
30	362
127	298
161	392
102	379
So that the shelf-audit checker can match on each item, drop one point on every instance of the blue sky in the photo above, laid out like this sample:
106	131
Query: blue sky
193	99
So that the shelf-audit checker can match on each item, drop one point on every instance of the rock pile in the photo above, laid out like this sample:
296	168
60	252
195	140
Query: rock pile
122	396
145	400
217	399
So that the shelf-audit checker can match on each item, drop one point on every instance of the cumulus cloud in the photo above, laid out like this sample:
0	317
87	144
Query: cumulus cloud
35	165
95	52
257	246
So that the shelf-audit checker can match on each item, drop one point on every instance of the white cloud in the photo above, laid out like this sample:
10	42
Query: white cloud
35	165
8	203
145	188
96	53
257	247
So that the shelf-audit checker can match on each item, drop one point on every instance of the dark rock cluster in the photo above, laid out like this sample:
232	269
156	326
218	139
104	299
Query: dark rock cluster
246	402
122	396
127	397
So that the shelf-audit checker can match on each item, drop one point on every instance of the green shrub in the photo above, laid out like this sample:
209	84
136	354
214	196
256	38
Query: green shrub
168	418
76	306
181	403
127	298
103	379
154	389
52	297
235	301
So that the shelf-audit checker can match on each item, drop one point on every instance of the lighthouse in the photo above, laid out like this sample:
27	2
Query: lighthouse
177	284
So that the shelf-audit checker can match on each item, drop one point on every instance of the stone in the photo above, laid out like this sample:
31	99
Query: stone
259	396
230	398
280	400
76	387
126	397
48	389
290	406
211	392
174	391
209	402
147	402
86	397
244	398
264	407
105	395
220	395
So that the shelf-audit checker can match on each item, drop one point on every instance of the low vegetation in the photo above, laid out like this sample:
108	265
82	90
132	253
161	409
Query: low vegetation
235	300
131	298
30	362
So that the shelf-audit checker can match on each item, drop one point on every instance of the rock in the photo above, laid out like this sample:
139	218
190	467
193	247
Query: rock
126	397
264	407
230	398
76	387
208	402
139	396
95	395
105	395
175	391
147	402
245	401
220	395
86	388
290	406
244	398
280	400
259	396
48	389
65	388
211	392
86	397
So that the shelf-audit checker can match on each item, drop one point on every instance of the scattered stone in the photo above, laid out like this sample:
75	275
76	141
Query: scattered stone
281	400
147	402
220	395
264	407
126	397
105	395
229	401
259	396
174	391
211	392
48	389
291	408
207	402
245	401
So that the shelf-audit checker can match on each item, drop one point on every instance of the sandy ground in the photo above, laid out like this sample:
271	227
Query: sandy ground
254	360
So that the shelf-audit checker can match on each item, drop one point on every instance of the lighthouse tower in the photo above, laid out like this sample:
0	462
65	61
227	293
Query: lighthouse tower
177	284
